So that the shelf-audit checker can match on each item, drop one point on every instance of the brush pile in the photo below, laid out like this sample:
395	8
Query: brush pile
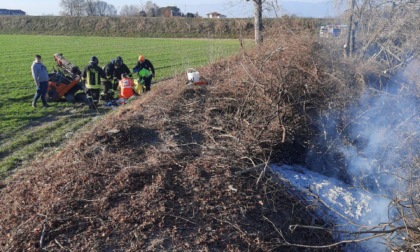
160	174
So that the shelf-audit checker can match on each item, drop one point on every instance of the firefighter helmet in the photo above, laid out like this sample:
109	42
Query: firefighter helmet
94	60
118	61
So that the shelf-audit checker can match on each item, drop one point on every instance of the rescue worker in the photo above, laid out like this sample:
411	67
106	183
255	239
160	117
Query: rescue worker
108	92
148	71
92	75
119	69
126	87
40	75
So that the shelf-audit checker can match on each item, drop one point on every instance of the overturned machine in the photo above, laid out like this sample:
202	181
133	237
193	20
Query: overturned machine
65	82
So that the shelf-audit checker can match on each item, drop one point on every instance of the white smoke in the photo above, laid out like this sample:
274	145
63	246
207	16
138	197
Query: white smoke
373	143
371	147
382	141
383	138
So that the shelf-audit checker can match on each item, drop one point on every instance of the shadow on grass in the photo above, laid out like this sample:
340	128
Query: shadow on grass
22	99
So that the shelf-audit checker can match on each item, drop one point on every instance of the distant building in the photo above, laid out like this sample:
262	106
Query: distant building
171	11
6	12
215	15
323	31
332	30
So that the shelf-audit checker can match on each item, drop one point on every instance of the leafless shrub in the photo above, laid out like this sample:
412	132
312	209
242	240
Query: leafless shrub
385	54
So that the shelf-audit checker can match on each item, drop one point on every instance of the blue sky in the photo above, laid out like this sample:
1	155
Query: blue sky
230	8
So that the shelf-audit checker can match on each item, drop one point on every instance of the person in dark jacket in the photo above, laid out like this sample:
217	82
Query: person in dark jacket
119	69
145	64
92	76
40	75
108	92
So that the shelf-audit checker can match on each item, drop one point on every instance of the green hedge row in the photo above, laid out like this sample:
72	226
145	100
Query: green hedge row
175	27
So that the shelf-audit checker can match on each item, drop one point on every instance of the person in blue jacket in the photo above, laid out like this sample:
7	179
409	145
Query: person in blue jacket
40	75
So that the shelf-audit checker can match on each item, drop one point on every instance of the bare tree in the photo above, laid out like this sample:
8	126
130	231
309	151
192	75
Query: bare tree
100	8
273	7
110	10
349	47
381	29
258	9
72	7
151	9
91	8
130	10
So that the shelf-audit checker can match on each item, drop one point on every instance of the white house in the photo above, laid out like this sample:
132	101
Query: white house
215	15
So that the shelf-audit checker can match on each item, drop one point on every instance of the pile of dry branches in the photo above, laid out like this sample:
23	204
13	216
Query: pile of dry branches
159	173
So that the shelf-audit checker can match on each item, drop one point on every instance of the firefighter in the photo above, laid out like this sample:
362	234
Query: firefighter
145	70
92	75
119	69
108	92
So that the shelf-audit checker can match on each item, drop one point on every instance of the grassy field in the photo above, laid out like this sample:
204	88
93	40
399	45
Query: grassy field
26	132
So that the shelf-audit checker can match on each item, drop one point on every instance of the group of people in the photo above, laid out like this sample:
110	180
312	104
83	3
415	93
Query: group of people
100	83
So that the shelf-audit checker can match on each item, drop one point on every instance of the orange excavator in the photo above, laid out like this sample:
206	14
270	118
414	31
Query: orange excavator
64	82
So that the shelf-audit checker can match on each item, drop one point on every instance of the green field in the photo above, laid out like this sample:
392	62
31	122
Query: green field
26	132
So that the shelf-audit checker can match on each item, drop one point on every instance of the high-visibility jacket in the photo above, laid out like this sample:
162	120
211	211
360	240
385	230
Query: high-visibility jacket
92	76
144	73
126	87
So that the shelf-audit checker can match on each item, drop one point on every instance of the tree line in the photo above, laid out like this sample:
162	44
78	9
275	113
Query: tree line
102	8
